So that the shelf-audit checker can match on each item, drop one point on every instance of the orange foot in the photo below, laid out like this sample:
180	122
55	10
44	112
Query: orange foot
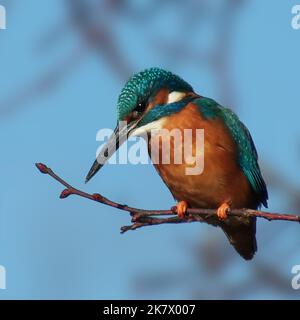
222	211
181	208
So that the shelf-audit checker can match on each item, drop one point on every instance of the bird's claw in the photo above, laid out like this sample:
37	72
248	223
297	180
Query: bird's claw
181	209
222	211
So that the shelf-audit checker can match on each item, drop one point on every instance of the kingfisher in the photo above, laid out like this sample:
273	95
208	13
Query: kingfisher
231	177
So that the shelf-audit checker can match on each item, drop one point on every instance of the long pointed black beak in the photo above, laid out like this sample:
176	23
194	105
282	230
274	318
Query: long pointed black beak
118	137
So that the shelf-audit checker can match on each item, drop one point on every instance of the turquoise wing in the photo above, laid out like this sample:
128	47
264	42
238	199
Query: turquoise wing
248	158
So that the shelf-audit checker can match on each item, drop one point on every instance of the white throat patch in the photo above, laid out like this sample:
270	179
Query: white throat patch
155	125
175	96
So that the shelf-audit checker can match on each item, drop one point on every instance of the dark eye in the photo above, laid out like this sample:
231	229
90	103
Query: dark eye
140	107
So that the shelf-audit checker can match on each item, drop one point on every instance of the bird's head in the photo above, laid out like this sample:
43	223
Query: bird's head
146	99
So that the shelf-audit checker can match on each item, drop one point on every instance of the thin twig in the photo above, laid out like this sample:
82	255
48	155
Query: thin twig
142	218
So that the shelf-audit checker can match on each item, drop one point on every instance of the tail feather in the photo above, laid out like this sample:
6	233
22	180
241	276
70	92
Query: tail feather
241	234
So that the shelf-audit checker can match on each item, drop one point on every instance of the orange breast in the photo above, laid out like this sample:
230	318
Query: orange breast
221	180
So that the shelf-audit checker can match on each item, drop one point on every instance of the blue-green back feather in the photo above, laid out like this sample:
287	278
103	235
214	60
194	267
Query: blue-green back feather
247	154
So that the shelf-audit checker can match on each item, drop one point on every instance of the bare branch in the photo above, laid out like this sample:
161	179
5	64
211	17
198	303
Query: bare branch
142	218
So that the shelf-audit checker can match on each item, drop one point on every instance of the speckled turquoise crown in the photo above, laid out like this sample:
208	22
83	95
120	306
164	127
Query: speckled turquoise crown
146	83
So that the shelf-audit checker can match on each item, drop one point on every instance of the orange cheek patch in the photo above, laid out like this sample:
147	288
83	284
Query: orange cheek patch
160	98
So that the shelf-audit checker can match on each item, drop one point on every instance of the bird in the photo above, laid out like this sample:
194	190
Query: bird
231	177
